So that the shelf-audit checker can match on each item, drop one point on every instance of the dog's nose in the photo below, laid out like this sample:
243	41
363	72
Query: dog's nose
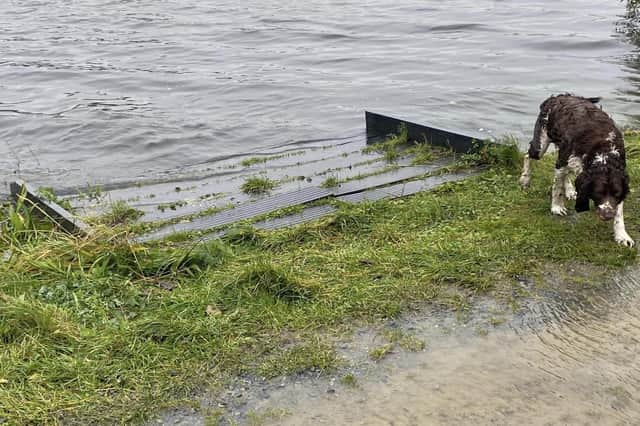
606	214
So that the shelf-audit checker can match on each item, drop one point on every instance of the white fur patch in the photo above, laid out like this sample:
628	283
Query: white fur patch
605	206
614	151
558	192
600	159
611	136
575	164
619	231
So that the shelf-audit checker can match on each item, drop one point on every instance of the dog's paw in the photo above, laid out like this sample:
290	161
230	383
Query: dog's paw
624	239
559	210
525	180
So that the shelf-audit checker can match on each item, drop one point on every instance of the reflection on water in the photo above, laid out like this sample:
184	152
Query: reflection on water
103	91
570	359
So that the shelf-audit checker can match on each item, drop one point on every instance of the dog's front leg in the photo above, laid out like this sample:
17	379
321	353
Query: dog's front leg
619	231
558	192
525	177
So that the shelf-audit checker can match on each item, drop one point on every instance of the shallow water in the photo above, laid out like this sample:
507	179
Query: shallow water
570	359
100	91
567	356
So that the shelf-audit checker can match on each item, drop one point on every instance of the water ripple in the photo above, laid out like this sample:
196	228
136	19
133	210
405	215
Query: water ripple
264	73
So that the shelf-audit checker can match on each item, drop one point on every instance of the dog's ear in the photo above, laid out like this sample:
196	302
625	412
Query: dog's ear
583	188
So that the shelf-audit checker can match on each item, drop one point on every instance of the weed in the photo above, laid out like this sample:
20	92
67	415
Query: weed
263	276
248	162
330	182
19	223
379	353
422	152
390	147
120	213
406	341
258	185
504	154
300	358
48	194
265	416
171	206
349	380
214	418
243	234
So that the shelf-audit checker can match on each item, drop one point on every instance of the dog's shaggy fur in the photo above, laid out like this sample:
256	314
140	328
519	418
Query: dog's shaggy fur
591	147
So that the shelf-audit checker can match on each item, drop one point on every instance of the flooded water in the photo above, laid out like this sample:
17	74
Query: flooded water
568	356
571	359
100	91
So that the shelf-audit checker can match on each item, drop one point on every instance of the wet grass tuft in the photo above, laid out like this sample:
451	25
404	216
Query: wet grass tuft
258	185
120	213
264	277
389	148
300	358
330	182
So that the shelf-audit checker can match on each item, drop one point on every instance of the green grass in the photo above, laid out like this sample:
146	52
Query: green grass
349	380
389	148
120	213
258	185
330	182
100	330
248	162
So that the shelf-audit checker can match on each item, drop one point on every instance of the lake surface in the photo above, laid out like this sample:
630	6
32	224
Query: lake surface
98	91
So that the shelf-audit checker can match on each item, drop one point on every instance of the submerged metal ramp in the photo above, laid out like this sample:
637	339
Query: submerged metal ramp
369	188
179	203
289	199
387	193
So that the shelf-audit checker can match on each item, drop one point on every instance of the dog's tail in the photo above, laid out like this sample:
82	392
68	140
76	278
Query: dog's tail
535	146
540	130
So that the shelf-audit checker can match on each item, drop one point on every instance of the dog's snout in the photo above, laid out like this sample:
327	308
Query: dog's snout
606	211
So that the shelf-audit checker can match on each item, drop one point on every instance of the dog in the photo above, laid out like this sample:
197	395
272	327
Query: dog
591	147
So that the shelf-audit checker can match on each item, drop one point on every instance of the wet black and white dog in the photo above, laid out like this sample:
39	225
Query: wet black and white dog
591	147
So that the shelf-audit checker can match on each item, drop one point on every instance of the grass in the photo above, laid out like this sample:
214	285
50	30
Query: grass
258	185
298	359
248	162
120	213
330	182
389	148
380	352
349	380
97	329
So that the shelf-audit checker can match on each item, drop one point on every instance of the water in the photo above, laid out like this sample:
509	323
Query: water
99	91
569	358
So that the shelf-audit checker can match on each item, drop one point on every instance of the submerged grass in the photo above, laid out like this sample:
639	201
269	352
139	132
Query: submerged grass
100	330
258	185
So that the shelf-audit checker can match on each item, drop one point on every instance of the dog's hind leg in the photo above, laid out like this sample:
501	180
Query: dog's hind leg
537	148
558	192
619	231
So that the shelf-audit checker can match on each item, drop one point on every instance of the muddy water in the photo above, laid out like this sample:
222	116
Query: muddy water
571	358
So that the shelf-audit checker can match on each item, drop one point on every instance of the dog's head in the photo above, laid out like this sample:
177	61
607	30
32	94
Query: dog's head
607	186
